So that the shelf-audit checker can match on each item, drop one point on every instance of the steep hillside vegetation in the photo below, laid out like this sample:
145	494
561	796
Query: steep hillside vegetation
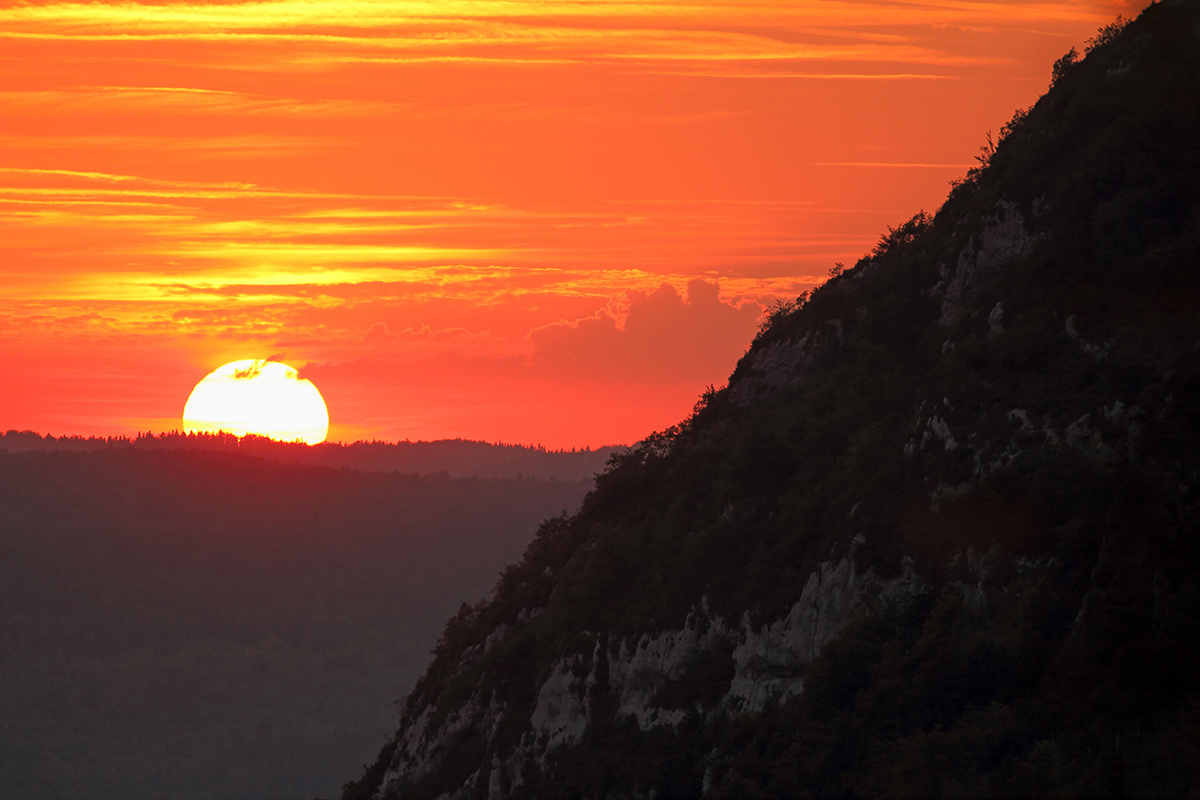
937	536
206	625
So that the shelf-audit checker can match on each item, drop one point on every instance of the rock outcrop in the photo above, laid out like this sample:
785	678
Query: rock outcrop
1002	241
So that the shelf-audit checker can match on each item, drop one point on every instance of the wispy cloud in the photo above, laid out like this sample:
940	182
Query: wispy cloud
116	99
652	34
178	242
108	177
433	15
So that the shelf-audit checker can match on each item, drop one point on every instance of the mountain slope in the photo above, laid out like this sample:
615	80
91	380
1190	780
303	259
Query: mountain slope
937	536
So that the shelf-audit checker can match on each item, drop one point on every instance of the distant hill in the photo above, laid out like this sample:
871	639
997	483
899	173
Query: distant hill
938	537
182	624
459	458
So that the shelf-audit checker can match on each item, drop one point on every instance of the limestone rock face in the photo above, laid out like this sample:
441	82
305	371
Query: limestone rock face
561	715
780	365
1001	242
423	747
770	662
766	665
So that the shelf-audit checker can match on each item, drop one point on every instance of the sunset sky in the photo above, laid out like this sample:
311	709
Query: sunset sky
533	222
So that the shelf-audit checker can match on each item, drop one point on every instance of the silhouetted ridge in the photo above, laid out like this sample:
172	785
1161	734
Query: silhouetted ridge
461	458
937	536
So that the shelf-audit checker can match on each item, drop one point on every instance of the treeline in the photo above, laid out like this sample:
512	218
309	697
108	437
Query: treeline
461	458
190	624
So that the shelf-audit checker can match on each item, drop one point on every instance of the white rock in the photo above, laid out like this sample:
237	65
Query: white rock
561	714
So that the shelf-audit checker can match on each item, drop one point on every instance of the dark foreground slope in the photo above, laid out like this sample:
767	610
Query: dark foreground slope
938	536
203	625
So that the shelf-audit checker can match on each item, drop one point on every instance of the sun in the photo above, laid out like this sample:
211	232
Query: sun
262	397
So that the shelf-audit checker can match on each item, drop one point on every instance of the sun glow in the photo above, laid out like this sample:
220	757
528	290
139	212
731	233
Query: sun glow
261	397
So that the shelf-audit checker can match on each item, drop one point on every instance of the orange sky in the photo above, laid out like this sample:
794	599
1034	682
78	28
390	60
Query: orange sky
534	222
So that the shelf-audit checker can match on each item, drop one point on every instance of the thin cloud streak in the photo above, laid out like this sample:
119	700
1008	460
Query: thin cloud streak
548	33
113	178
200	251
109	99
368	14
584	46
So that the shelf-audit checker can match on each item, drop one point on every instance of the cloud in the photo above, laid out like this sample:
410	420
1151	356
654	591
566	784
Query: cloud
655	336
176	99
379	332
711	38
251	371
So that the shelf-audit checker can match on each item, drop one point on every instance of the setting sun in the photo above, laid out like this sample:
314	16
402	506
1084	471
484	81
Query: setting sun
261	397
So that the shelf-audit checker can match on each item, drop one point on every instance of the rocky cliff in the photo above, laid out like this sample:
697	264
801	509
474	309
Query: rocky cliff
938	535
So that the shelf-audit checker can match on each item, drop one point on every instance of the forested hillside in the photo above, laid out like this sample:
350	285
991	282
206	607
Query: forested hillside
183	624
938	536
